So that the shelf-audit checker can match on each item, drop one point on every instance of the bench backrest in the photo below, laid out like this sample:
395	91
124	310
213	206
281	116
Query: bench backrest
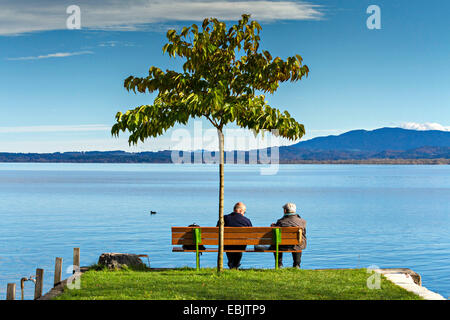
237	236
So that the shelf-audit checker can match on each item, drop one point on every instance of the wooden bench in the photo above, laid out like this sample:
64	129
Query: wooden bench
195	236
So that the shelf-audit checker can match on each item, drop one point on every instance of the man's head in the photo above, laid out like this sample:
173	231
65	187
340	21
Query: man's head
239	208
290	207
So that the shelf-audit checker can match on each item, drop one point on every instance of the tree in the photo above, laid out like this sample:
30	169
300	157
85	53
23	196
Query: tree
222	73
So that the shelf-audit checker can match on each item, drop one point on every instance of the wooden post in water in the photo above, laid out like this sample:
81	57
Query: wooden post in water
22	286
76	260
11	291
58	271
39	283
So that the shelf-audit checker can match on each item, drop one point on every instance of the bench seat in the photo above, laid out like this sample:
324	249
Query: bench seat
195	237
180	249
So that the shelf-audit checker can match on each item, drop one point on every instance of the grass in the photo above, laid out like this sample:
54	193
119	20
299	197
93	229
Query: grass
250	284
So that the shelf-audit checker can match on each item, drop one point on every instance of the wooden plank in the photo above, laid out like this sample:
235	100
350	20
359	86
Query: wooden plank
58	271
248	241
241	234
235	229
254	242
76	259
11	291
266	241
236	235
180	249
253	235
39	283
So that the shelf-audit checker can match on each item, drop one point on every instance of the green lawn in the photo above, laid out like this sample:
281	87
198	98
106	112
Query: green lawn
251	284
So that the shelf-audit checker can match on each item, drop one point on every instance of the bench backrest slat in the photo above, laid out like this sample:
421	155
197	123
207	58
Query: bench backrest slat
235	236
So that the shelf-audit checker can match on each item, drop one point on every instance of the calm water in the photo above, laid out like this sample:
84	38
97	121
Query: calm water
358	215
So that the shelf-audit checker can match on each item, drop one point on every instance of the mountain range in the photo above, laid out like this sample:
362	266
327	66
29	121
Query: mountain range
385	145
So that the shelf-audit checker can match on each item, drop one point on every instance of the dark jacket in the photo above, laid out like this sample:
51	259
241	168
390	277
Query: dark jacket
293	221
235	219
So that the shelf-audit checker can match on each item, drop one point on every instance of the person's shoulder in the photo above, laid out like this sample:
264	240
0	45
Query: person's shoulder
247	220
303	221
228	215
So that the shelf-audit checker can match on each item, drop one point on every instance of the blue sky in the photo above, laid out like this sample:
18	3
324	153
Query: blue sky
60	89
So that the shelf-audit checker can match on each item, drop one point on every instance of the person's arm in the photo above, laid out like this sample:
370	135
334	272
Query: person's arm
277	224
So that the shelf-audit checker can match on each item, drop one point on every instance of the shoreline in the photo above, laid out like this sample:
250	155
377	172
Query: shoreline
403	277
440	161
410	281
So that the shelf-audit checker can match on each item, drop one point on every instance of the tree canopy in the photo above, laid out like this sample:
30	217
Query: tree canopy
223	72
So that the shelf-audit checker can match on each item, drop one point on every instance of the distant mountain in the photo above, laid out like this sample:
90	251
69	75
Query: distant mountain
385	145
378	140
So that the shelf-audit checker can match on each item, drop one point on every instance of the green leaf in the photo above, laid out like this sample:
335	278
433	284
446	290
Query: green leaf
222	71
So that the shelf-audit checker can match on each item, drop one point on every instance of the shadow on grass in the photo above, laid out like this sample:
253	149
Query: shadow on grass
138	268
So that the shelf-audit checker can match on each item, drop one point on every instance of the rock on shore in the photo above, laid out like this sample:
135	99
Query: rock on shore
118	260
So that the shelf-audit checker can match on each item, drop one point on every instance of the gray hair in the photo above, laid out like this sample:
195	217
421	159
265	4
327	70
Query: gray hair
290	207
239	205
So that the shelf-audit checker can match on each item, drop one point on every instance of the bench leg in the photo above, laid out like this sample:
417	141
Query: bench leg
197	259
276	259
277	240
198	239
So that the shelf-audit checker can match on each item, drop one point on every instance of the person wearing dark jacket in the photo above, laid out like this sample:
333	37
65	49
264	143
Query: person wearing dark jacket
236	219
291	219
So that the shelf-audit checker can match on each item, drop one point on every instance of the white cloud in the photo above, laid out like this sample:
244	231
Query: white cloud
70	128
53	55
424	126
113	43
108	44
44	139
22	16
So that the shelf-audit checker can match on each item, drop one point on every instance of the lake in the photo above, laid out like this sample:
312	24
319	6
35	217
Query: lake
357	215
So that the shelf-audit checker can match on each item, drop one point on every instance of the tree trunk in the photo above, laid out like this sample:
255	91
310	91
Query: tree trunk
221	193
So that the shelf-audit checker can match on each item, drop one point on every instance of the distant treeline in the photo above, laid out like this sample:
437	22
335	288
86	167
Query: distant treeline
300	154
372	161
424	155
89	157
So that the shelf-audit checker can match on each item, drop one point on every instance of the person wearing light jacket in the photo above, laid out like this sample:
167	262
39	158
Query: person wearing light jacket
291	219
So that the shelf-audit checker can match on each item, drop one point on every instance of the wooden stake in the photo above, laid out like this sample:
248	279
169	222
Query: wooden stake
39	283
58	271
11	291
76	259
